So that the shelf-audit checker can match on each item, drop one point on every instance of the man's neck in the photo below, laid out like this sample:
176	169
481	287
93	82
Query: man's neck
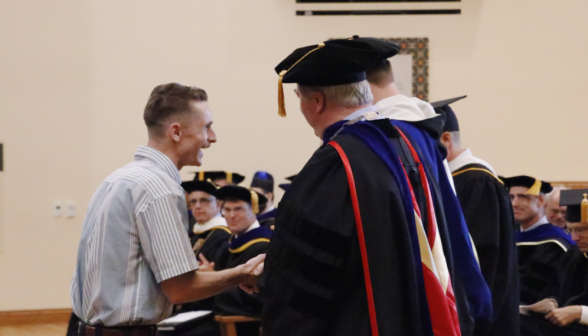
387	91
528	223
334	115
167	150
454	153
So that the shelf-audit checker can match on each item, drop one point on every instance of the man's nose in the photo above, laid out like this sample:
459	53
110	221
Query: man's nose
211	135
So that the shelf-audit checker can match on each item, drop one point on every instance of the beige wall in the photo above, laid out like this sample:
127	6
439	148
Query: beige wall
75	75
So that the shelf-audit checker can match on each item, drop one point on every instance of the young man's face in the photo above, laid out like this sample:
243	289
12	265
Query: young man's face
197	133
525	207
203	205
239	216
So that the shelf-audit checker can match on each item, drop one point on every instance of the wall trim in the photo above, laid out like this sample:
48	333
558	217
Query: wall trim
12	317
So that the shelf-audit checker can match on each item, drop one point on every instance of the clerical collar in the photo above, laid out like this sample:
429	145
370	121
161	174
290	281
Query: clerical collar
253	226
466	158
367	113
215	221
542	221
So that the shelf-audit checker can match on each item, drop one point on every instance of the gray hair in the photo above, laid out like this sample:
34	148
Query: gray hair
555	192
346	95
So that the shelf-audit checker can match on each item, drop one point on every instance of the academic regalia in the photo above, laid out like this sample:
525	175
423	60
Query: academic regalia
472	295
489	216
488	212
568	286
313	282
235	301
211	240
267	219
540	251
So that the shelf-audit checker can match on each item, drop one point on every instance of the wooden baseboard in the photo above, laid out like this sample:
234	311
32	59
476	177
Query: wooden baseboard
17	317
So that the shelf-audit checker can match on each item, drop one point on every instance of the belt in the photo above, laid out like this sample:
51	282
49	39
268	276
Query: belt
90	330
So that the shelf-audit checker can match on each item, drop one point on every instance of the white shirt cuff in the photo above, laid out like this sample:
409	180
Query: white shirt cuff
584	318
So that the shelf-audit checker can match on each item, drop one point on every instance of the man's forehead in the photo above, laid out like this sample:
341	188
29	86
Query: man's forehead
199	193
518	190
233	204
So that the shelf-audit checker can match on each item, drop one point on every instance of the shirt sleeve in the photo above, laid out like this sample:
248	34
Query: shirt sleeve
164	239
584	318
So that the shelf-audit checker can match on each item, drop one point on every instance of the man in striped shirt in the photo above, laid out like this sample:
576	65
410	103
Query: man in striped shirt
135	259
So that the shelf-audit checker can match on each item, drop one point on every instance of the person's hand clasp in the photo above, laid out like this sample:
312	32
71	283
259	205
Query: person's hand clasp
544	306
251	271
565	315
205	265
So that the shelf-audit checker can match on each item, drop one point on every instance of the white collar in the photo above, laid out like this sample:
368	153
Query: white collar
215	221
542	221
360	112
466	158
400	107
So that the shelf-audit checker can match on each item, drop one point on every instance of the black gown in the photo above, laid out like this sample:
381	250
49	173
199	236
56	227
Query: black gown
212	244
539	259
234	301
568	286
313	280
488	213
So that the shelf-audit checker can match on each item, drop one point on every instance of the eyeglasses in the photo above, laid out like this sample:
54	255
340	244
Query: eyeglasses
578	230
203	201
236	211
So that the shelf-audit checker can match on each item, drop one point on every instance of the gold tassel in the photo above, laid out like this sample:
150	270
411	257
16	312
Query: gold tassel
584	209
254	202
535	190
229	177
201	176
281	102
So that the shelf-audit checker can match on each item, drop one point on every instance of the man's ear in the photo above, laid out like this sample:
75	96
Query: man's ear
175	131
319	101
446	139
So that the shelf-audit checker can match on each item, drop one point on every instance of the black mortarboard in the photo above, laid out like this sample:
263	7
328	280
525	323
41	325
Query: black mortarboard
207	187
263	180
536	187
285	186
442	108
333	62
232	178
574	200
243	194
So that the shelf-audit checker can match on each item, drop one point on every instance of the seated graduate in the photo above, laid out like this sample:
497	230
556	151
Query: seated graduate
540	245
488	213
248	239
566	298
220	178
210	234
263	183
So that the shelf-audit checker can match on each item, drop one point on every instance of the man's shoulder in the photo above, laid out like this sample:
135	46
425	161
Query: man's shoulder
148	177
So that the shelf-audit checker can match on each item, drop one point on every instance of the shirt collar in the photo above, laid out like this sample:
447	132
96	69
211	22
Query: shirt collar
465	158
542	221
160	160
215	221
361	112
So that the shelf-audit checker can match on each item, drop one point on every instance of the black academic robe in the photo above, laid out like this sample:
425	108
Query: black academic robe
538	260
313	280
235	301
568	286
488	213
212	244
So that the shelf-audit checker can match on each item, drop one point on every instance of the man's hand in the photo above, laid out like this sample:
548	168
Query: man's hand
205	265
251	270
544	306
564	316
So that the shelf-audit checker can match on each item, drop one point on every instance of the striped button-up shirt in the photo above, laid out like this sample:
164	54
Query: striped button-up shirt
134	237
